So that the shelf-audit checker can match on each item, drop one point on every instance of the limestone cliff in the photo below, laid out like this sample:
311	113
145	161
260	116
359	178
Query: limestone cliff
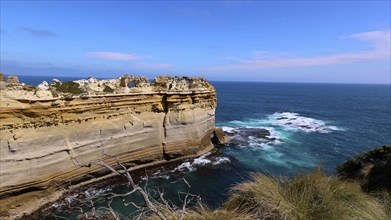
45	131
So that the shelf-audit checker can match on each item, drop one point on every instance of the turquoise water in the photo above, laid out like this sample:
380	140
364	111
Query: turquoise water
314	125
330	122
309	125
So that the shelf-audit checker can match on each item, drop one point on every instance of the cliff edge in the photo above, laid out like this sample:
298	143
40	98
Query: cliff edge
47	130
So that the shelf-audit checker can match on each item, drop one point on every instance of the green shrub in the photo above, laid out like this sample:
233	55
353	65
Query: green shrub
68	87
108	89
372	169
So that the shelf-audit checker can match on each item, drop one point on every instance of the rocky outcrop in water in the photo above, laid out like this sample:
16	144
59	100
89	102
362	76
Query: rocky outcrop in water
219	137
47	130
247	136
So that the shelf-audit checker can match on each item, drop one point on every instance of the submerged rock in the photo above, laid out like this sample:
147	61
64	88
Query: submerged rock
245	136
253	132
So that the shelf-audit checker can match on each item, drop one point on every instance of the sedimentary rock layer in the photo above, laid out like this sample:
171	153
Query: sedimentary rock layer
45	133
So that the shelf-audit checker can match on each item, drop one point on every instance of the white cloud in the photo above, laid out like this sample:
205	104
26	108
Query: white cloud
379	41
107	55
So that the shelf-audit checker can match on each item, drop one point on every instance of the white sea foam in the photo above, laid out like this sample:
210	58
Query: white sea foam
184	166
203	160
92	193
220	160
157	175
252	135
164	177
227	129
295	122
72	198
262	146
56	205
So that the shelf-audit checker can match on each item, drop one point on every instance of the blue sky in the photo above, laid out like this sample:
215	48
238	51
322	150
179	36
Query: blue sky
278	41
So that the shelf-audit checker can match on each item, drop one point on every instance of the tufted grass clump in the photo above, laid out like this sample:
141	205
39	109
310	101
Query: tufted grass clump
201	212
303	197
311	196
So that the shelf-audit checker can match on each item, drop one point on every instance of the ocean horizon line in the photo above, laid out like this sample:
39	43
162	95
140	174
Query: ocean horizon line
211	80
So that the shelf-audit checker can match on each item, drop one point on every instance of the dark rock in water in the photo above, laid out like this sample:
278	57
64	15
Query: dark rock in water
219	137
254	132
238	139
249	136
282	118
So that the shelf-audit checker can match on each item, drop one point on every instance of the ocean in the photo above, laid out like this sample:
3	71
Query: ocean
306	125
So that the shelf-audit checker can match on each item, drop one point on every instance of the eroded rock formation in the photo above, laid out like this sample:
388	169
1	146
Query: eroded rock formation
45	131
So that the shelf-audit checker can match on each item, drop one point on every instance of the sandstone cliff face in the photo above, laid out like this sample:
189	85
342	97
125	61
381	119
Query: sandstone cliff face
46	133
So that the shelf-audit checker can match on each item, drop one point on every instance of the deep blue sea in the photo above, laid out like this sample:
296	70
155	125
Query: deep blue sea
309	125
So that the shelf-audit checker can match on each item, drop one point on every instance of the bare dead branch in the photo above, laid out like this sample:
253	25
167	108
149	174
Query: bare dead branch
133	204
187	183
114	195
184	180
146	181
183	207
151	206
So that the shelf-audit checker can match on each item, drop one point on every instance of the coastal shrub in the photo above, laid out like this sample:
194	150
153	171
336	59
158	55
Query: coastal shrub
29	88
68	87
311	196
372	169
108	89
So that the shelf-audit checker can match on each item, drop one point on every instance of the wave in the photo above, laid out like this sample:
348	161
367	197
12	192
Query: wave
270	138
94	193
289	121
295	122
205	159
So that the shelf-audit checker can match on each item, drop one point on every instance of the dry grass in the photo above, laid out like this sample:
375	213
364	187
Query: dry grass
384	198
312	196
201	212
